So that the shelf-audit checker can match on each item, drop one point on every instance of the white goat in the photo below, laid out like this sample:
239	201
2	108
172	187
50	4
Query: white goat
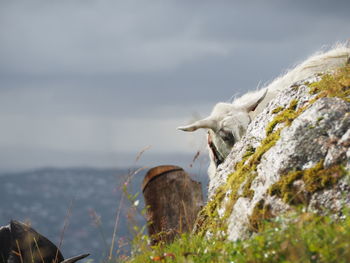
228	122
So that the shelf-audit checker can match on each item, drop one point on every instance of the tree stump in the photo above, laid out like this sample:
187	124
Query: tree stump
173	201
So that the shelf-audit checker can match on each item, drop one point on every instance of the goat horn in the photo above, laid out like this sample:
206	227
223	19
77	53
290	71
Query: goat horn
206	123
74	259
250	100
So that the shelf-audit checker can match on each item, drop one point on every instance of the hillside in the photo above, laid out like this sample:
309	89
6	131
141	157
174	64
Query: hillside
43	198
283	192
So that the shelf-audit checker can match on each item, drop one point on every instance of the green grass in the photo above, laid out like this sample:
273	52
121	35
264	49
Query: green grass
306	238
298	237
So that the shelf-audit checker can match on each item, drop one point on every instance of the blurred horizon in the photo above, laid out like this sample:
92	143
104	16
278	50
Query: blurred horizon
123	162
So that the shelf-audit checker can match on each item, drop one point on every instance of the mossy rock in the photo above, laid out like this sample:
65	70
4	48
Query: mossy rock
285	156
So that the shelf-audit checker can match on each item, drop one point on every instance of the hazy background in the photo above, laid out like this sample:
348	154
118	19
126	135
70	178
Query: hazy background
94	82
90	83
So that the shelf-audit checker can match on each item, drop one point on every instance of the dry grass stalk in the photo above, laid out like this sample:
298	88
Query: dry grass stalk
66	222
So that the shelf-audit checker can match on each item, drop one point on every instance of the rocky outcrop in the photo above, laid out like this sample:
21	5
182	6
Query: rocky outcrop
296	152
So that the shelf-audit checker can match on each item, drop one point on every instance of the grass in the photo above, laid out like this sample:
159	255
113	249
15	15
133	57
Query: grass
244	174
294	237
298	237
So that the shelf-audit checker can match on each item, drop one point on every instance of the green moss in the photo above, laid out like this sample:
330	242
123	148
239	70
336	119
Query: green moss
309	238
315	178
239	182
320	177
245	171
266	144
333	85
277	110
261	213
285	116
238	185
250	151
208	218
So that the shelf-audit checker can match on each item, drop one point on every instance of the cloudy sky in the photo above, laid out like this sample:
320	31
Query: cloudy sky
93	82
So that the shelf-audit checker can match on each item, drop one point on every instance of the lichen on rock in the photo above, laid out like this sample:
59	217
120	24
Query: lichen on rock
296	152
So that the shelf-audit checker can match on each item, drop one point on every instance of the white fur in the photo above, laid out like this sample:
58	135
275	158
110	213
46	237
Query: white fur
229	121
320	62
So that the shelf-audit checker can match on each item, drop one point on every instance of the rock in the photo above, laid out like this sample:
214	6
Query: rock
296	152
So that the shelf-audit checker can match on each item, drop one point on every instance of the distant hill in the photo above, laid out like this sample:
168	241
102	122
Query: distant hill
43	197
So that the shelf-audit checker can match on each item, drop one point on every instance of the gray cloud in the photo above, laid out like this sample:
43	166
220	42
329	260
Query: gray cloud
100	77
97	37
92	38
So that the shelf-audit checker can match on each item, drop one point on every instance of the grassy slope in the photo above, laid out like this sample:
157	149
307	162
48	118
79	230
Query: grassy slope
308	238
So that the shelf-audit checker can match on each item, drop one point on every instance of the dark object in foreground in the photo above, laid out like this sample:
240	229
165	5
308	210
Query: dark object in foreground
20	243
173	200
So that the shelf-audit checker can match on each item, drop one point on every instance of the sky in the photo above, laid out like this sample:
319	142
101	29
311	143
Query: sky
93	82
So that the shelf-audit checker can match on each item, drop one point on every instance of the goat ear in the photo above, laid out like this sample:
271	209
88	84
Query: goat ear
250	100
207	123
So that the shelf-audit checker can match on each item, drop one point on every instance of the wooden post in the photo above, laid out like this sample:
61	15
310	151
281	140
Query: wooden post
173	200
